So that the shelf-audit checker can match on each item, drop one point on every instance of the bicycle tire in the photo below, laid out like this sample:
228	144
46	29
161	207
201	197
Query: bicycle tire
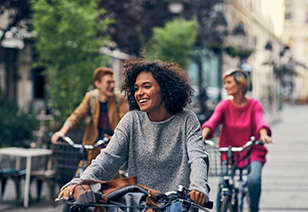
245	201
226	205
65	208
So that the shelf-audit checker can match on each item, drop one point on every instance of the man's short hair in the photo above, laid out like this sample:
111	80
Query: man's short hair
100	72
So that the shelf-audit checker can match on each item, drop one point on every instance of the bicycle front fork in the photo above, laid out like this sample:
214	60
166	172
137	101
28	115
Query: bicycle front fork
242	194
229	193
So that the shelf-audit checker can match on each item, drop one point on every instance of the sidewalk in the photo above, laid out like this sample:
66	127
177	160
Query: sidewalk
285	181
8	204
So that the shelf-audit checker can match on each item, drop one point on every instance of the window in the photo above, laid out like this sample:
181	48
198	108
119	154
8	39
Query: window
38	83
288	3
306	17
288	16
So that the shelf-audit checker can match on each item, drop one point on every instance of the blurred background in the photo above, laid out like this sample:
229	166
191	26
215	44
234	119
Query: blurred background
49	49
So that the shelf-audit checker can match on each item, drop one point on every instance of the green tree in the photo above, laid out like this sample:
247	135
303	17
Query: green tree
69	35
16	126
174	42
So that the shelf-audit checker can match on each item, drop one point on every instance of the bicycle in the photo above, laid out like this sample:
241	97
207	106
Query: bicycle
117	201
234	188
72	159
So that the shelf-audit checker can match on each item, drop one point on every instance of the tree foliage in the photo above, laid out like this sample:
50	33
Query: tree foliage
240	52
69	35
17	127
174	41
136	19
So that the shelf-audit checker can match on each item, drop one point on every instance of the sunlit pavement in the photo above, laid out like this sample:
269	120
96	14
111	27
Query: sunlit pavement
285	181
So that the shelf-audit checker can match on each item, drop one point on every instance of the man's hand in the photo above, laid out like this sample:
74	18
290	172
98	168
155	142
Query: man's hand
56	136
107	136
197	197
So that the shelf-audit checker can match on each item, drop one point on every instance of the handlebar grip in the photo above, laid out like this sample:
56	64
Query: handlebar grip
102	143
61	139
209	204
259	142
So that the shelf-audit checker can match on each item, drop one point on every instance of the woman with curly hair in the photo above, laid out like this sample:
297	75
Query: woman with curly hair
160	139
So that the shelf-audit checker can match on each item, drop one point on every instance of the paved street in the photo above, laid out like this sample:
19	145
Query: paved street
285	184
285	181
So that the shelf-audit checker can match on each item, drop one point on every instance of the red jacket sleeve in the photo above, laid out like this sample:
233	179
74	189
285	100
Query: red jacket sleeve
259	118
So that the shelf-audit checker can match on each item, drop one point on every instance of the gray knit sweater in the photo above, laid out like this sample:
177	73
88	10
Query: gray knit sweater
162	155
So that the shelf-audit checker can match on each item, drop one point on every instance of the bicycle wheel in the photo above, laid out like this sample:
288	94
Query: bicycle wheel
244	202
226	205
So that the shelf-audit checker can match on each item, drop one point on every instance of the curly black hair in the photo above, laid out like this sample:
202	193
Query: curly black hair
175	89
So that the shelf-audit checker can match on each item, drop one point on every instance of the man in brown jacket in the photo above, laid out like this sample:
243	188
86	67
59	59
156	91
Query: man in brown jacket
104	107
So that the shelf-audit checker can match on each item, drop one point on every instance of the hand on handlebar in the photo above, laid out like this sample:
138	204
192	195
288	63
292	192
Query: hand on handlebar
205	132
107	136
73	191
266	139
55	137
198	197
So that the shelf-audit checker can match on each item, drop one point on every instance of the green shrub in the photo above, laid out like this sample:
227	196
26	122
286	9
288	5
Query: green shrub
16	126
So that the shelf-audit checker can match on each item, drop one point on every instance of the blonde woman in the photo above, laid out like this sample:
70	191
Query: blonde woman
241	117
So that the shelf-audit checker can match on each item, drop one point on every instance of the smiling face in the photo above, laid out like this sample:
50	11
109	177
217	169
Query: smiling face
231	86
106	85
147	95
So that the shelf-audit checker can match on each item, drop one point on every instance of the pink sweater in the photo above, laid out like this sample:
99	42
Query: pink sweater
238	125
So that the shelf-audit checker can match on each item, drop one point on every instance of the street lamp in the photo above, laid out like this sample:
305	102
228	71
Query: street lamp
175	7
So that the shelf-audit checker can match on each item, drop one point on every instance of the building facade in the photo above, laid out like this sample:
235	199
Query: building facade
261	24
20	82
296	36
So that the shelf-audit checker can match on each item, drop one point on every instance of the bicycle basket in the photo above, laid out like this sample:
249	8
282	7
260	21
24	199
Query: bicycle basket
215	169
67	159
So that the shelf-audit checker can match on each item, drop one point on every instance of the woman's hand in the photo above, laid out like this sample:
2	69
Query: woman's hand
73	191
264	137
205	132
198	197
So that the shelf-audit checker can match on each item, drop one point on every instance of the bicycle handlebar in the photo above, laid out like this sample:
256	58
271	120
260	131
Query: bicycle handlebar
100	143
182	194
249	143
91	198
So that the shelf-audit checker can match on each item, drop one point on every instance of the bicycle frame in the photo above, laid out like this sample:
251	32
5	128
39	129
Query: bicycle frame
234	189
